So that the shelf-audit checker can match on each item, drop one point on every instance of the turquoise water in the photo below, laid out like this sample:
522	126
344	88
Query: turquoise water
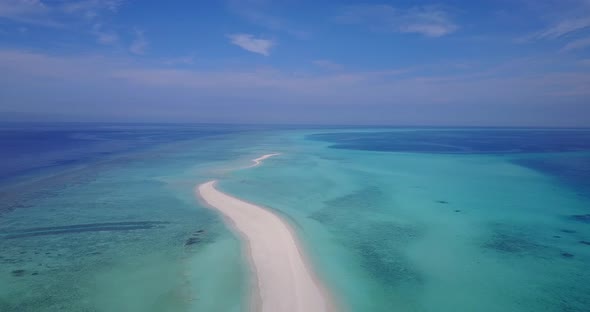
395	230
114	235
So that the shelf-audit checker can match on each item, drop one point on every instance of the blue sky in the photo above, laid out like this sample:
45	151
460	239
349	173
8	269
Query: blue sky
473	63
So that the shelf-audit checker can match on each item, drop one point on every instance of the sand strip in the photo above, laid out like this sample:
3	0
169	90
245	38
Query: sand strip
282	279
260	159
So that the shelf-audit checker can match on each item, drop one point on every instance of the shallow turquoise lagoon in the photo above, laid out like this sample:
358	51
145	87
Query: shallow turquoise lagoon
387	230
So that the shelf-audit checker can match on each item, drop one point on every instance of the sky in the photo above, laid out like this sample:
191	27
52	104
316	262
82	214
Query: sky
438	63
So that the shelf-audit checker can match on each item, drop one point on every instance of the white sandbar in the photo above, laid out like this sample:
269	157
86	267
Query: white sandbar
282	279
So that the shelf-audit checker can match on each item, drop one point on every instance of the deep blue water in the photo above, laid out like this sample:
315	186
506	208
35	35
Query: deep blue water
33	147
463	141
573	170
561	153
28	148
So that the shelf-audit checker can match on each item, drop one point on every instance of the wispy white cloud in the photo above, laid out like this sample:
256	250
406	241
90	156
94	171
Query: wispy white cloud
430	21
393	82
107	38
565	27
104	37
328	65
64	15
398	93
577	44
250	43
47	13
139	44
562	19
17	8
257	13
93	12
27	11
91	8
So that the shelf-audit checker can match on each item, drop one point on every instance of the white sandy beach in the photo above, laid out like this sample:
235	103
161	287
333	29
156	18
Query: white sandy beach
282	279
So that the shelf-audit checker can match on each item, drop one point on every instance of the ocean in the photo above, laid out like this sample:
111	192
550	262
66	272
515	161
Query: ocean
103	217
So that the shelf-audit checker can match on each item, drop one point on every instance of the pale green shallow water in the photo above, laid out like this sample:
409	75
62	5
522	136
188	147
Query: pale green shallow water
386	231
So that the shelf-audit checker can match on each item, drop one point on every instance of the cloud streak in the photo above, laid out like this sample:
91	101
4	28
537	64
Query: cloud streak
328	65
139	44
429	21
257	13
104	37
565	27
46	13
250	43
66	16
91	8
578	44
32	12
391	95
563	18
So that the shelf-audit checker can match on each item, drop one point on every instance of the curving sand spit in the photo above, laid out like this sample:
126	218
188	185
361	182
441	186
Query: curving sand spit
284	281
260	159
